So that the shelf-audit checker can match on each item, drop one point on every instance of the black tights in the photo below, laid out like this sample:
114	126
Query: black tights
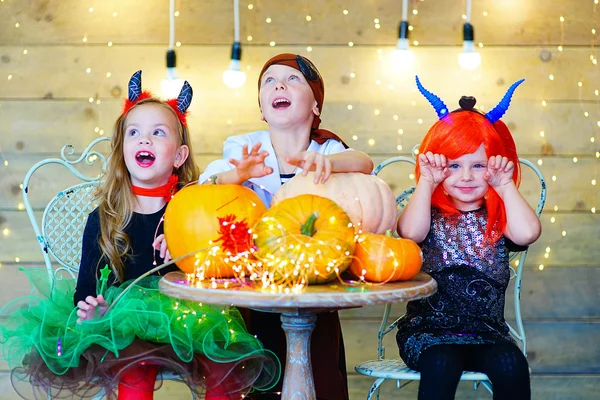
442	365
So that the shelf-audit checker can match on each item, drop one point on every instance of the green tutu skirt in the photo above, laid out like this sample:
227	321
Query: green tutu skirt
49	353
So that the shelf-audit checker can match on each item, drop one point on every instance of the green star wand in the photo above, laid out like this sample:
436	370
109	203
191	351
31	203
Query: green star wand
104	272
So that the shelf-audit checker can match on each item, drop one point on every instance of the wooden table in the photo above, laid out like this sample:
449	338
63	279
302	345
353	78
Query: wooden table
298	313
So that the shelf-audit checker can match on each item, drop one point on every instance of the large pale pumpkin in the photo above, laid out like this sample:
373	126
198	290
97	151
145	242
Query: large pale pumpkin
307	237
367	199
383	258
201	216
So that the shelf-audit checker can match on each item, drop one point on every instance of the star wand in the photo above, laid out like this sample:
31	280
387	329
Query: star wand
104	273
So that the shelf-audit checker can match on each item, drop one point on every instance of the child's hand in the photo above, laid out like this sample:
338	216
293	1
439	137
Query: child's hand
499	171
433	168
252	164
87	308
312	161
160	243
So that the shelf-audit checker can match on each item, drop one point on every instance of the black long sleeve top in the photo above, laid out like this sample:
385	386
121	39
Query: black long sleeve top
141	231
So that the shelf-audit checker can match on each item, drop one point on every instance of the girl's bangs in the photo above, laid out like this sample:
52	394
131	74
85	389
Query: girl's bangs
458	134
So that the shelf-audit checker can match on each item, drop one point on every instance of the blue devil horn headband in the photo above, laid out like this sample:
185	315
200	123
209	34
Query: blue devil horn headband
185	97
436	102
497	112
135	93
494	115
135	86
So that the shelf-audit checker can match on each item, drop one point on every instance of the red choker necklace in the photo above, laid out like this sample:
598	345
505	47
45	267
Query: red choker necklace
167	190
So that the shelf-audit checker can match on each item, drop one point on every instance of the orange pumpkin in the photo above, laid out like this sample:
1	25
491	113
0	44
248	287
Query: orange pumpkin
203	216
367	199
383	258
306	238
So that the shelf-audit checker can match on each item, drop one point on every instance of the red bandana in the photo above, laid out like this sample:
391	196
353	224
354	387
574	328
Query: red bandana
167	190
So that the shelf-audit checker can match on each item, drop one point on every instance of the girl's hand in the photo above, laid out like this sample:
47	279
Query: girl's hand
499	171
87	308
160	243
312	161
252	164
433	168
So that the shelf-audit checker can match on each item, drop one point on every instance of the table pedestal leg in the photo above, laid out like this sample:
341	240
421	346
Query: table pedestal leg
298	383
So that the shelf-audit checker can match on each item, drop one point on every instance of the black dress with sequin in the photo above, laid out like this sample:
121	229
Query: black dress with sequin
472	278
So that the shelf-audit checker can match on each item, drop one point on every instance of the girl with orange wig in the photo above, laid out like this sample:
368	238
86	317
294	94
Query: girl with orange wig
467	214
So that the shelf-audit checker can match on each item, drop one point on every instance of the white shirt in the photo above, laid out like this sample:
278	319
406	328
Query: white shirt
266	186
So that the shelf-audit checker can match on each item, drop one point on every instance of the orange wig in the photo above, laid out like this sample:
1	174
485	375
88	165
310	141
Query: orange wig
462	132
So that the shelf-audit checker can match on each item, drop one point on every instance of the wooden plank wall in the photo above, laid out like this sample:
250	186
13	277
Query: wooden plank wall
56	89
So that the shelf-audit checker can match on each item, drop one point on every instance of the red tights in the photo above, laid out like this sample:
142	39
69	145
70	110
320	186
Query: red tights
137	383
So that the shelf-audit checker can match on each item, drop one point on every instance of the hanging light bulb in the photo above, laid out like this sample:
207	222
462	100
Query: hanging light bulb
234	77
402	56
469	58
171	86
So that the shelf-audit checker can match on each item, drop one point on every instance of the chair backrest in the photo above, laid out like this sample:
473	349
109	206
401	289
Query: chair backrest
59	231
402	198
517	331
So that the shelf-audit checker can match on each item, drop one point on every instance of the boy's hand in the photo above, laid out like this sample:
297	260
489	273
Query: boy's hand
312	161
252	164
433	168
87	308
499	171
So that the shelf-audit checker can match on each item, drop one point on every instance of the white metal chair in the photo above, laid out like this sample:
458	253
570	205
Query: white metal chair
60	230
394	368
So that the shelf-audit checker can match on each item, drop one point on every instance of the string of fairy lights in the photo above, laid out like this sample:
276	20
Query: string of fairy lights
257	16
552	78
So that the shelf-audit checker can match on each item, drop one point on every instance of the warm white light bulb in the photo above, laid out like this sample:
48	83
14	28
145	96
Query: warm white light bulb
402	56
469	59
171	86
234	77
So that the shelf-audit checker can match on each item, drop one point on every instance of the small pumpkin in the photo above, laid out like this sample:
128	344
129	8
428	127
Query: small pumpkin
203	216
367	199
306	237
384	258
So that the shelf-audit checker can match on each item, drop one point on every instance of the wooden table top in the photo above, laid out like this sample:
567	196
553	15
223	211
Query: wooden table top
333	295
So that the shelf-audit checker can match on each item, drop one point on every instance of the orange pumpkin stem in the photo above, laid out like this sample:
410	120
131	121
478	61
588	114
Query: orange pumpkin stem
308	228
388	233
